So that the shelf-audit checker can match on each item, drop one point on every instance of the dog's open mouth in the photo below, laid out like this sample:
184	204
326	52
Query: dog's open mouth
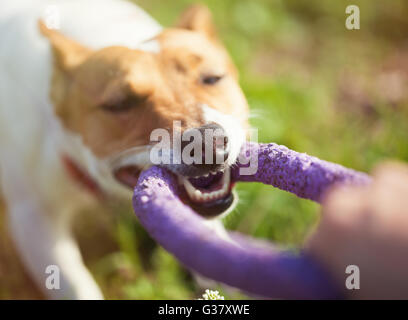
128	175
207	188
209	194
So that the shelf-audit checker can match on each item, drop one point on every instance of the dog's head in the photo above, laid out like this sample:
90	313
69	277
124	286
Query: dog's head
114	98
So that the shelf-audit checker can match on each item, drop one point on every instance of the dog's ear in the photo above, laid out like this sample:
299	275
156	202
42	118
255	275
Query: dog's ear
68	52
198	18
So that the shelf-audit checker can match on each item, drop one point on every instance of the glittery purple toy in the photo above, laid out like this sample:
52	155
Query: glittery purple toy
251	265
306	176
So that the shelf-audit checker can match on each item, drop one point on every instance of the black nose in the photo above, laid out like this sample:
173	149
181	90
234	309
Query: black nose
214	146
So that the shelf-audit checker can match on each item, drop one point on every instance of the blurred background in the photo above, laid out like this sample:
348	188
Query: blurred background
312	85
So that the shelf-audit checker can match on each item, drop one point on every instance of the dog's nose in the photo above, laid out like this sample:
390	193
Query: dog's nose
214	138
214	146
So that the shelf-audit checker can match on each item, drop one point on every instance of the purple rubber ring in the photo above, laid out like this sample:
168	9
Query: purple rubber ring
306	176
242	262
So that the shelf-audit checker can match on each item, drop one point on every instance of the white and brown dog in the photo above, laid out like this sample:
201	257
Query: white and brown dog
79	98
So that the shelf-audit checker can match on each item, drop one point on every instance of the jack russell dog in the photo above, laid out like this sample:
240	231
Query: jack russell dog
80	94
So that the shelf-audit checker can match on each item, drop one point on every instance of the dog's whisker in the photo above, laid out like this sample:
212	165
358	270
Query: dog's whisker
257	113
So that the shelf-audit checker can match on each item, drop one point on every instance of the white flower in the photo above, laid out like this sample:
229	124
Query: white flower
211	295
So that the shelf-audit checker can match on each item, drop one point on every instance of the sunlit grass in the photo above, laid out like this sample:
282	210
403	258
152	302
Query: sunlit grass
293	57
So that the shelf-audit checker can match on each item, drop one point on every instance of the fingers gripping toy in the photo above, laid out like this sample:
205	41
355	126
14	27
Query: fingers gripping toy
252	265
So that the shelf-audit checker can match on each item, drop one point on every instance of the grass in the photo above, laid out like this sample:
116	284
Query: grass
313	86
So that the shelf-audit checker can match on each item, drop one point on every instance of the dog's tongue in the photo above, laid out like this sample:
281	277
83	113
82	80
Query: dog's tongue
128	176
204	182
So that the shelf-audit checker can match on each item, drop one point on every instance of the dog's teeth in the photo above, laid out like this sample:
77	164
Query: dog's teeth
199	196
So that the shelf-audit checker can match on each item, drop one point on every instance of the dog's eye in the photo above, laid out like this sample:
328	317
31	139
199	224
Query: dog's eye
211	79
124	105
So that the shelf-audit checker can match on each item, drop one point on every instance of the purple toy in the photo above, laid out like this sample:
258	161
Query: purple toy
251	265
305	176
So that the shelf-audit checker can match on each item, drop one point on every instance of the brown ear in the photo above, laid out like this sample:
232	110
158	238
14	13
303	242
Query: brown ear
198	18
68	53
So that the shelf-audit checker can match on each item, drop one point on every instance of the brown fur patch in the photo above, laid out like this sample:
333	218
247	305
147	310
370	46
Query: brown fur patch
116	96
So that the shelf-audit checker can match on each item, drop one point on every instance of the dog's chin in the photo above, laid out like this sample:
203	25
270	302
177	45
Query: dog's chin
209	195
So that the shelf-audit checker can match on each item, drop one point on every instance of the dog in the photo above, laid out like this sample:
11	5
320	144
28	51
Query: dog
83	85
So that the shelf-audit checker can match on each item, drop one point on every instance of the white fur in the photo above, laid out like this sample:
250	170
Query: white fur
232	127
33	180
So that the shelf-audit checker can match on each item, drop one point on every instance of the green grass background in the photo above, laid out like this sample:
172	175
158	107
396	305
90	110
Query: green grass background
313	86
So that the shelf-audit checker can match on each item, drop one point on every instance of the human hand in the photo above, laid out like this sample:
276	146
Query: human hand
367	227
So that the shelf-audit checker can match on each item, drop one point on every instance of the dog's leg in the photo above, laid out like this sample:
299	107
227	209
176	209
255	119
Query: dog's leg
43	239
41	244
